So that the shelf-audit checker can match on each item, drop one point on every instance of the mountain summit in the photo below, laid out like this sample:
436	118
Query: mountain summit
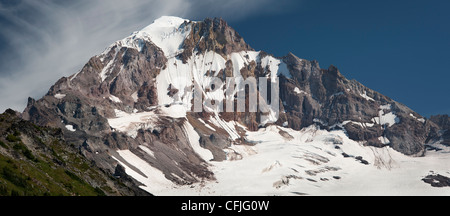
132	109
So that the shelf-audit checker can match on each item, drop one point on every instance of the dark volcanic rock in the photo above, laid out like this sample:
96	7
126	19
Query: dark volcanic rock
361	159
443	121
213	35
326	97
437	180
120	172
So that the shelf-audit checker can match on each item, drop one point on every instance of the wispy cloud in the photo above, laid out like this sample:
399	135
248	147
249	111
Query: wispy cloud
44	40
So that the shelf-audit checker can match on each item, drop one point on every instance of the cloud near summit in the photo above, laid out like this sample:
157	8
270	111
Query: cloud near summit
43	40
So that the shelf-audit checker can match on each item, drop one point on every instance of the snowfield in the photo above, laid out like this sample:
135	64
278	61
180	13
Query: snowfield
152	178
307	162
311	164
384	118
130	123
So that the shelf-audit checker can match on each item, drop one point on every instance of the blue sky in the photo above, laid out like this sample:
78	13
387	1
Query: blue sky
398	48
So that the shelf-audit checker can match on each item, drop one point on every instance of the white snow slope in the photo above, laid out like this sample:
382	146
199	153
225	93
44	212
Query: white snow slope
168	33
310	164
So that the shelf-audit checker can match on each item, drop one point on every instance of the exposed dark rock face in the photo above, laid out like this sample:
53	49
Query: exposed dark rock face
443	121
437	180
119	172
361	159
327	97
213	35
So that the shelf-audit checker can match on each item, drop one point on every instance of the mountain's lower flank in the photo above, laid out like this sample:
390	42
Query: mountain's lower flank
37	161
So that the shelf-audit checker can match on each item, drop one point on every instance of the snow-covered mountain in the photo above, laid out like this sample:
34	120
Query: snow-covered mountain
130	110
